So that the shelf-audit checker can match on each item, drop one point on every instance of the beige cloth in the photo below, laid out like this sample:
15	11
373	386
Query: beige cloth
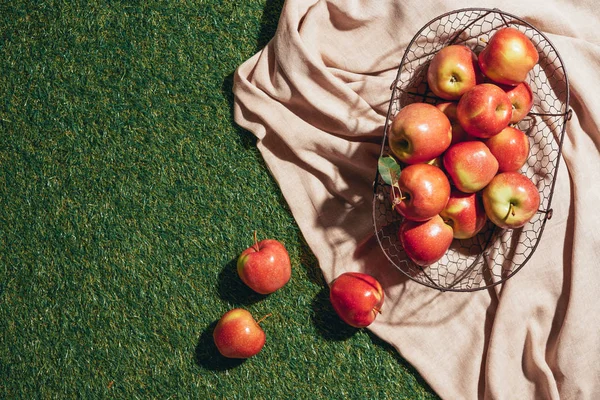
316	98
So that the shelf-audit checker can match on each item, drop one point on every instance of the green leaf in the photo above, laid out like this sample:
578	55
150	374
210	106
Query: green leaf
389	169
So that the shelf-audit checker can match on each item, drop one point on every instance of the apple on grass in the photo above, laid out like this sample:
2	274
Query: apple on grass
238	335
470	165
465	214
452	71
423	192
508	57
510	147
425	242
511	200
418	133
357	298
265	266
484	110
521	98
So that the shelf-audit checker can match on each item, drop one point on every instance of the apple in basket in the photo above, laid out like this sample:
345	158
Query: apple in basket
265	266
470	165
458	133
511	200
484	110
423	192
510	147
452	71
425	242
238	335
508	57
356	298
521	98
465	214
418	133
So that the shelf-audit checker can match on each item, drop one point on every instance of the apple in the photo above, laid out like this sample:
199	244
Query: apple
511	200
464	212
425	242
521	98
357	298
458	133
419	133
510	147
238	335
265	266
484	110
424	192
452	71
470	165
508	57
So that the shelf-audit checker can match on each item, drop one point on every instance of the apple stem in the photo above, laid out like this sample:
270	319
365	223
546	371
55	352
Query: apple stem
378	311
255	245
263	318
512	209
397	199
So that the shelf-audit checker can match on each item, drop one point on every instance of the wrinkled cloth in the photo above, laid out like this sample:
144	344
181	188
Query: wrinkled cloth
316	98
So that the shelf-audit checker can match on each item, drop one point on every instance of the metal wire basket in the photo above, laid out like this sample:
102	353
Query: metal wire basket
494	255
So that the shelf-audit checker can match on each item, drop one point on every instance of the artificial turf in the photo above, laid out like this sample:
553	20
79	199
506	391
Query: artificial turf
127	193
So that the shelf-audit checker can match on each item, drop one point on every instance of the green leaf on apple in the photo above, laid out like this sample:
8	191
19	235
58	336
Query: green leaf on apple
389	169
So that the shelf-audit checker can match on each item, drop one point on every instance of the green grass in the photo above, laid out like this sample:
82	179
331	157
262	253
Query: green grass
127	192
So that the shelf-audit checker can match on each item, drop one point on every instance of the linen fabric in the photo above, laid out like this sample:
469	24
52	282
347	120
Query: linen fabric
316	98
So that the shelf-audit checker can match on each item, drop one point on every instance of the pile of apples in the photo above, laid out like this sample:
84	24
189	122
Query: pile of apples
456	164
265	267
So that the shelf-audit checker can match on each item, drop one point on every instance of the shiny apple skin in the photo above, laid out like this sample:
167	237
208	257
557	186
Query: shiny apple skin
265	267
425	242
357	298
419	133
470	165
510	147
238	335
484	110
452	71
426	189
506	189
464	212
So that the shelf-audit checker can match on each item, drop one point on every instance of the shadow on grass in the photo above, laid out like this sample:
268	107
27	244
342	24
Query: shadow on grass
326	321
208	356
231	288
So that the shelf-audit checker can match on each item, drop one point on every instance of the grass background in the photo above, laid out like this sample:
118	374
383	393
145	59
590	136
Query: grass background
127	193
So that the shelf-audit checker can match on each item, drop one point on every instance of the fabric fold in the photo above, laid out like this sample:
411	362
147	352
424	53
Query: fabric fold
316	97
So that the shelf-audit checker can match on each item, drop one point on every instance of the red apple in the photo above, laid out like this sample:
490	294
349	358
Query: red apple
508	57
238	335
452	71
470	165
484	110
521	98
424	192
357	298
458	133
425	242
464	213
510	147
265	266
419	133
511	200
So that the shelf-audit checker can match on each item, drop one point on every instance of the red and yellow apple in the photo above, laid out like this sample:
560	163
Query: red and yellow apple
510	147
357	298
484	110
419	133
265	266
452	71
238	335
458	133
521	98
470	165
511	200
424	192
425	242
464	212
508	57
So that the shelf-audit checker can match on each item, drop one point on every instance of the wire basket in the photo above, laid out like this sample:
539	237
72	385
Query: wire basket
494	255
